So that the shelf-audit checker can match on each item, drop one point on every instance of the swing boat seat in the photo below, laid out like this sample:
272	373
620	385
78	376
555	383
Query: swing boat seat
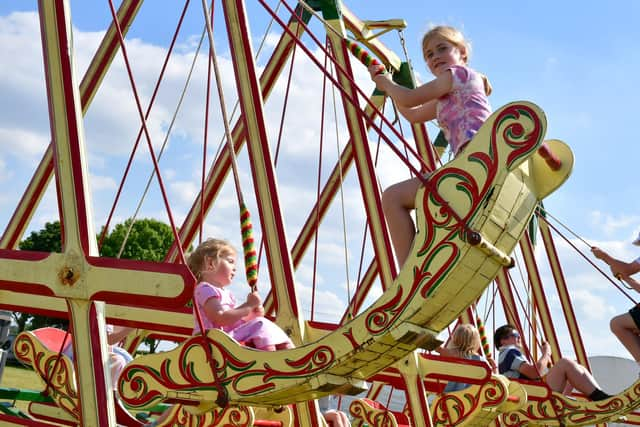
40	349
549	408
470	215
487	397
375	414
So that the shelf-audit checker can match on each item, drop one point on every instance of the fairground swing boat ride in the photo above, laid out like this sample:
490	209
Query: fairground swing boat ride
472	212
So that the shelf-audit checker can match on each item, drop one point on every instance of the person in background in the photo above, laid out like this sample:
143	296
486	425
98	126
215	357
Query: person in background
465	344
562	377
331	414
625	326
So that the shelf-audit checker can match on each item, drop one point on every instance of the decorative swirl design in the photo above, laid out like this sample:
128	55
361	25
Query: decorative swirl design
54	370
234	416
516	132
374	417
314	361
559	410
140	385
453	409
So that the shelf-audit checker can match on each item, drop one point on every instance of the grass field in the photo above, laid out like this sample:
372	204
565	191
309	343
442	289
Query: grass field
22	378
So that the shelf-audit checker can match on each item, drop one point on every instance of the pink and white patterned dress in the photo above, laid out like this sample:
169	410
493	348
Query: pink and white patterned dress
260	331
464	109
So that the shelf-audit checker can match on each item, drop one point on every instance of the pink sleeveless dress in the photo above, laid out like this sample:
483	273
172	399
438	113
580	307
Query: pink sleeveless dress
260	332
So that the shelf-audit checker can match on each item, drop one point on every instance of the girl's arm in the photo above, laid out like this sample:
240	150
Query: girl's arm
118	334
617	266
406	97
446	352
420	114
631	281
533	371
216	313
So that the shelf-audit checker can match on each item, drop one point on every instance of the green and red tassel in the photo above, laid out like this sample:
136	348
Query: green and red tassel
362	55
248	247
486	348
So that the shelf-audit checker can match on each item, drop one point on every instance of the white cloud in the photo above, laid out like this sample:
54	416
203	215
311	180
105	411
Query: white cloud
592	306
25	145
184	190
99	183
611	223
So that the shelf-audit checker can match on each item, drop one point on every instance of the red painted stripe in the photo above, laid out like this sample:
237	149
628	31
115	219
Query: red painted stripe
28	201
90	84
255	94
63	45
98	368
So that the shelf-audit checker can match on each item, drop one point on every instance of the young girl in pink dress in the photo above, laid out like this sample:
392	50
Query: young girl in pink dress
214	265
457	98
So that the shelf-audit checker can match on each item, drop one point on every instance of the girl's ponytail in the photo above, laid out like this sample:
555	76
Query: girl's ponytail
487	86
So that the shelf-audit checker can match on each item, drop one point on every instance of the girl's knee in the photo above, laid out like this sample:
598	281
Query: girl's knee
621	323
388	198
614	324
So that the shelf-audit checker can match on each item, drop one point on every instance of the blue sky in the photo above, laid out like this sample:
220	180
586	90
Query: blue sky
575	63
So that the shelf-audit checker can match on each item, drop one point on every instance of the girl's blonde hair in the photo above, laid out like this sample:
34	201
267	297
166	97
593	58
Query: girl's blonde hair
465	340
213	248
456	38
451	35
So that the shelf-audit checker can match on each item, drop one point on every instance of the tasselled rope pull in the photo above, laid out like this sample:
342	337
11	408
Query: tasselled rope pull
248	248
363	56
249	251
486	348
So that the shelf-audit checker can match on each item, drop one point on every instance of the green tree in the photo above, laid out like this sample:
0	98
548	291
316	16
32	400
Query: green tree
148	240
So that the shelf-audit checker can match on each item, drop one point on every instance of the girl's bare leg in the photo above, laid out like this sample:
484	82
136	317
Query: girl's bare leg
568	371
397	203
627	332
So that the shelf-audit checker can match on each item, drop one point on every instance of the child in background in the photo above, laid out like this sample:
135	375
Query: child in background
457	97
562	377
464	344
214	265
332	415
118	356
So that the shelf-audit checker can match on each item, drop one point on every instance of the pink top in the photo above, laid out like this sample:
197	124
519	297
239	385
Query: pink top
258	332
201	295
464	109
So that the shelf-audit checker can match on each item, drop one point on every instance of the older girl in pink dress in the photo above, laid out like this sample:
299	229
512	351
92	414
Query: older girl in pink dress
457	98
213	264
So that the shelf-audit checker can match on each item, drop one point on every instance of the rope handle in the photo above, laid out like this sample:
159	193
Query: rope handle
486	348
248	247
363	56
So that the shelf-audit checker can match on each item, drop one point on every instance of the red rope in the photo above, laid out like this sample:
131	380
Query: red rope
318	186
354	102
143	120
347	76
588	260
146	116
204	148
